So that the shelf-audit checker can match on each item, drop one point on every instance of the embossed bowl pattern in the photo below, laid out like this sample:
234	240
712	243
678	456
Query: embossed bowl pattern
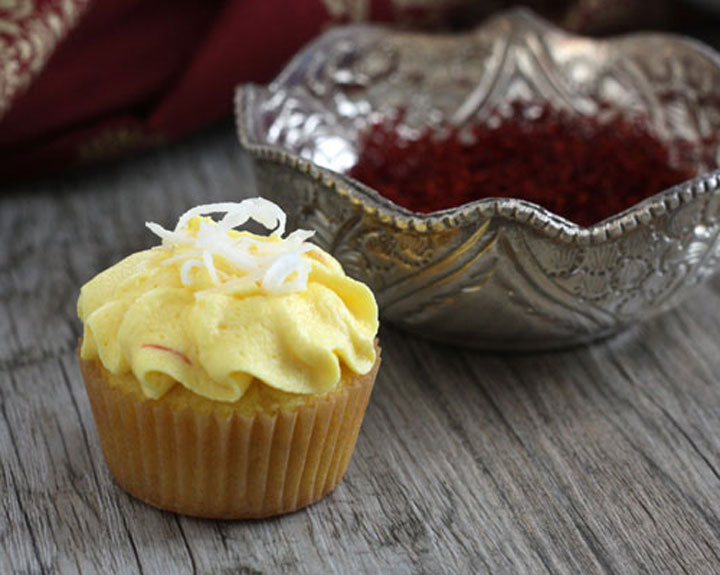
496	273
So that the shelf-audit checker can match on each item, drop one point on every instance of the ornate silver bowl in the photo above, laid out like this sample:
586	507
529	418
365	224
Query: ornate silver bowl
496	273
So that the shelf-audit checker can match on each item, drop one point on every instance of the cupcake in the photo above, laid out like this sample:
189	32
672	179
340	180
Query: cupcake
228	372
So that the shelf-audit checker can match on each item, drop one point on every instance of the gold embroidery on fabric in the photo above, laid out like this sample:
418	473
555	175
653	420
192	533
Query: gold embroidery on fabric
407	4
12	12
28	36
116	141
354	10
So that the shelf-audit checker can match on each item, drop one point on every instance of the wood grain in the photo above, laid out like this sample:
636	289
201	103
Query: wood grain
603	459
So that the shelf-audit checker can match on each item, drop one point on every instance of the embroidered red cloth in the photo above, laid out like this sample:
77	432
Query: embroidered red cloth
82	80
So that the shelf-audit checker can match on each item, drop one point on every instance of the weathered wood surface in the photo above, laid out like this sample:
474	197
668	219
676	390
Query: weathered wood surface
602	459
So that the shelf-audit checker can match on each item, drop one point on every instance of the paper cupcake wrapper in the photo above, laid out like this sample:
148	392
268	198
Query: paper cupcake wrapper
236	466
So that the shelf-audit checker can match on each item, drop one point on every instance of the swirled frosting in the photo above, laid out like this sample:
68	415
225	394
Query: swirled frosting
213	308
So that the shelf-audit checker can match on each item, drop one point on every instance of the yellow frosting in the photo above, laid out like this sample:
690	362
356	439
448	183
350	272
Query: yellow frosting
140	317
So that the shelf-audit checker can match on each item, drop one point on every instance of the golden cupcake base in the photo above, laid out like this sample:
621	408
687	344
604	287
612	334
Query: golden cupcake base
222	464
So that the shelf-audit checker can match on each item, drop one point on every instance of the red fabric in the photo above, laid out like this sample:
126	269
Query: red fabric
102	84
133	73
82	80
112	62
248	42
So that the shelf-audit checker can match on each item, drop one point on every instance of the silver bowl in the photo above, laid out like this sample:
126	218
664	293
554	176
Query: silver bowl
496	273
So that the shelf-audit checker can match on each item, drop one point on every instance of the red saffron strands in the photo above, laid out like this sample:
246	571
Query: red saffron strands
575	166
175	352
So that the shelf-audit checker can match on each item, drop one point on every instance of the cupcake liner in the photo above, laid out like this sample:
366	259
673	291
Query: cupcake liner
211	464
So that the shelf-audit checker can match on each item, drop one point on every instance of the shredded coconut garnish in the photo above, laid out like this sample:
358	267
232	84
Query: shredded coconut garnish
276	266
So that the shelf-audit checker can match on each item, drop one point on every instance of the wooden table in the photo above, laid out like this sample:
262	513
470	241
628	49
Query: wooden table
600	459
